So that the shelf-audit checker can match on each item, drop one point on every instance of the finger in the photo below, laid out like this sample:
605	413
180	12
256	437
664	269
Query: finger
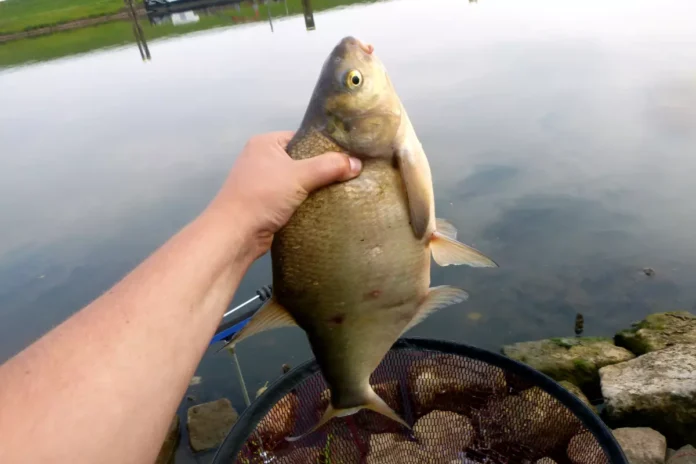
283	138
322	170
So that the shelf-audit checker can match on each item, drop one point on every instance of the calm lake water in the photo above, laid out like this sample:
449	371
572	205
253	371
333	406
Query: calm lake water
561	136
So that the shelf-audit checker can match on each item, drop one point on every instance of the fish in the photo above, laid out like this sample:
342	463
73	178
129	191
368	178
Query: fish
352	265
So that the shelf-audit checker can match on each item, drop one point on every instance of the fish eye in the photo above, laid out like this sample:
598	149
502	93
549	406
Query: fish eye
354	79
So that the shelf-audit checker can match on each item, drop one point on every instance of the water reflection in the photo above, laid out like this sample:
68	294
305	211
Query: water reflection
138	32
181	13
560	137
308	15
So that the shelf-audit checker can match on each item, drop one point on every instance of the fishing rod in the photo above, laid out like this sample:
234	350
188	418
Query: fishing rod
241	315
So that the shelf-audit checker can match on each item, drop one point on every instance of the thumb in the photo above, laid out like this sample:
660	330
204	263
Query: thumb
325	169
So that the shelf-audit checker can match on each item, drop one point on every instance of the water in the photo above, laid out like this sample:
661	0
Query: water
561	139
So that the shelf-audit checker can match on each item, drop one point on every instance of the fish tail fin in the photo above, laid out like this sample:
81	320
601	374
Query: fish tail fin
329	414
373	402
377	404
447	250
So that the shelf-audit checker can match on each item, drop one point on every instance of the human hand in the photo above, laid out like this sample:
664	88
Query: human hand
266	186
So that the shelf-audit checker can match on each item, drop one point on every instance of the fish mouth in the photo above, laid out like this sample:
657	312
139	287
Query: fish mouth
351	42
367	48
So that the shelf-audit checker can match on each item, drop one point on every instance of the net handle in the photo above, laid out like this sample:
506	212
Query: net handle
252	415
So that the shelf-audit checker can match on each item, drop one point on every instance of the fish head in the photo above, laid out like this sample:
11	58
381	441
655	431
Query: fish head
354	101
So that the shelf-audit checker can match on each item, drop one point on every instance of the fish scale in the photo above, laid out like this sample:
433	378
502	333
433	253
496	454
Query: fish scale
349	254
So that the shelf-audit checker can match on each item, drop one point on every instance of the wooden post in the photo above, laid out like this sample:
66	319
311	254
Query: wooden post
308	14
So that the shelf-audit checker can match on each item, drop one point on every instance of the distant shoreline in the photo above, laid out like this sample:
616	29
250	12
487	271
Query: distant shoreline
70	25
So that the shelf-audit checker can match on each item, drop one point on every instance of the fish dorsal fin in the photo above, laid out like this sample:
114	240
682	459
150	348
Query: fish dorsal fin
447	251
446	228
415	172
372	401
438	298
271	316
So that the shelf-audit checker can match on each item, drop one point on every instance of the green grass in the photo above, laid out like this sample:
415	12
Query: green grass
23	15
119	33
83	40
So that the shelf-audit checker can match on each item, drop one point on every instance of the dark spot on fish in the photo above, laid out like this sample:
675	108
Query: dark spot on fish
373	294
337	319
362	239
395	304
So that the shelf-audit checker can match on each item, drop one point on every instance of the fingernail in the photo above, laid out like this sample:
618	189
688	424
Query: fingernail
355	165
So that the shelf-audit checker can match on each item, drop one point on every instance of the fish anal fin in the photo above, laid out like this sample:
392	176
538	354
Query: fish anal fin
438	298
271	316
447	251
372	402
446	228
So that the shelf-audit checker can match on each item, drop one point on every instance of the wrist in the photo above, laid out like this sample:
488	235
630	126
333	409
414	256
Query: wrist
233	226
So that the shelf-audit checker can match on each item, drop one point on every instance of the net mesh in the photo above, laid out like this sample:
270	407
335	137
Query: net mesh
462	410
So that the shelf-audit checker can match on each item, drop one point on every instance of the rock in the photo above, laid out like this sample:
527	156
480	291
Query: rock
308	454
656	390
685	455
440	437
533	420
642	445
670	453
659	331
279	422
444	434
576	360
209	423
453	383
584	449
392	447
575	390
171	441
342	448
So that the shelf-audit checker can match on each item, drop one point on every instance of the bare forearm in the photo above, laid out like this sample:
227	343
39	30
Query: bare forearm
128	355
103	386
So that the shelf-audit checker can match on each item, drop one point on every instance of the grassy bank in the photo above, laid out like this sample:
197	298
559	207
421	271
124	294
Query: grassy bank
23	15
117	33
83	40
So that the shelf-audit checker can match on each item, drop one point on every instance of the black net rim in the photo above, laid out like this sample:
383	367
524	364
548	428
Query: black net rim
252	415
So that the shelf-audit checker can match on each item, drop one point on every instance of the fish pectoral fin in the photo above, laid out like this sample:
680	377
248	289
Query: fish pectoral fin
447	251
415	172
446	228
438	298
372	402
271	316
